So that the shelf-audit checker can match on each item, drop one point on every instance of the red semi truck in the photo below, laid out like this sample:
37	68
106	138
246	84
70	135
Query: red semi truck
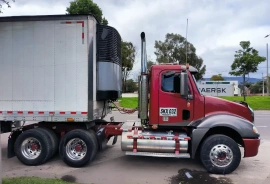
62	73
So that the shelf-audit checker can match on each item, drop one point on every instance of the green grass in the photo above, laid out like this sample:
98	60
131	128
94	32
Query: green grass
129	102
255	102
32	180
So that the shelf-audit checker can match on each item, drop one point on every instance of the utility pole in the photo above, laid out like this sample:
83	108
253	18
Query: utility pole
244	87
263	84
267	74
186	41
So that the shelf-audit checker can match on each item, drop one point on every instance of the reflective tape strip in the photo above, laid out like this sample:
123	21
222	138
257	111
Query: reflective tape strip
44	112
159	138
77	22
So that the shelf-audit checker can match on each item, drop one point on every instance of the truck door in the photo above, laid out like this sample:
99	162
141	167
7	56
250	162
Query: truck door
173	109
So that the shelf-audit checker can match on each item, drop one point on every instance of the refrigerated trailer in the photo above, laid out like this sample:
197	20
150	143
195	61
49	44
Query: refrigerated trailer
63	73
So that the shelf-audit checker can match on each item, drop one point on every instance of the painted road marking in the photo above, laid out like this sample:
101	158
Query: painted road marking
261	126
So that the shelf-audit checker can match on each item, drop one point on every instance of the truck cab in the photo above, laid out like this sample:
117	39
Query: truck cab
178	121
174	109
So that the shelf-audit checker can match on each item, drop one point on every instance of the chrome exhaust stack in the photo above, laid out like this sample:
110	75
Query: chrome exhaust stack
143	54
143	83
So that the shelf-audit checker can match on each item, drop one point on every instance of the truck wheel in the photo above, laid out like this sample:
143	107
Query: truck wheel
220	154
78	147
33	147
54	139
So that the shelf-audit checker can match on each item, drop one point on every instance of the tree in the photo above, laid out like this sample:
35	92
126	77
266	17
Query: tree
173	49
258	87
131	86
4	2
149	63
86	7
137	72
128	58
246	61
217	78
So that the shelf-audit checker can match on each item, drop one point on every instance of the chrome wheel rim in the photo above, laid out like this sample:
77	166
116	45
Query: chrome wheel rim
31	148
221	155
76	149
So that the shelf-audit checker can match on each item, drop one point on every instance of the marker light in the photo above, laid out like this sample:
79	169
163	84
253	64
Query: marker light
188	104
255	130
70	119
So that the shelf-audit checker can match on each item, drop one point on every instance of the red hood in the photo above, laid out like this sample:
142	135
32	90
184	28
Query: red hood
216	105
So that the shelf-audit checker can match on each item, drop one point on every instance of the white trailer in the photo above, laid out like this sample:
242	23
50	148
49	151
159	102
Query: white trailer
63	72
49	70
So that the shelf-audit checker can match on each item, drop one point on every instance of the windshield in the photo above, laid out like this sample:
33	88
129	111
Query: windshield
193	76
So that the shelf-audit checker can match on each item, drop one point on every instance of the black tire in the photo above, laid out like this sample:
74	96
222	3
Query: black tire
89	138
54	139
213	141
44	141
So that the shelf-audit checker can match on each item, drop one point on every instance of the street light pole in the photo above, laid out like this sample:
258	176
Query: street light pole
186	41
267	74
263	85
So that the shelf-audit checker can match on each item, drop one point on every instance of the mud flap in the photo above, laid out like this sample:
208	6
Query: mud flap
101	137
114	139
11	142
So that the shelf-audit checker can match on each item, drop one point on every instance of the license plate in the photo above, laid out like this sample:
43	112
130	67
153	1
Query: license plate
168	112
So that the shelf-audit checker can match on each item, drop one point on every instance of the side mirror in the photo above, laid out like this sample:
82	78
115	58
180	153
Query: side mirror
184	84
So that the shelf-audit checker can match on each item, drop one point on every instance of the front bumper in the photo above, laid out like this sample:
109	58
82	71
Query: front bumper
251	147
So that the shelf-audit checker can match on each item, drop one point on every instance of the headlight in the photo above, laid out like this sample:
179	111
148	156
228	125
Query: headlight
255	130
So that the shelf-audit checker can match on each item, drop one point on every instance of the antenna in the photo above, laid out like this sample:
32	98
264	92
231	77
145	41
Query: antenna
186	40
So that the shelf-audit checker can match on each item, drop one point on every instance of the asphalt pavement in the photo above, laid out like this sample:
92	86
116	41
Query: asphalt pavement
113	166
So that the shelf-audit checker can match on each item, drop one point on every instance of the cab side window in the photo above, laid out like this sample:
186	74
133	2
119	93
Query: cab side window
171	84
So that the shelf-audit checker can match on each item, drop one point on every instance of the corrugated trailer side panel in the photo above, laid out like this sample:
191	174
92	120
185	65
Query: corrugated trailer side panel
44	70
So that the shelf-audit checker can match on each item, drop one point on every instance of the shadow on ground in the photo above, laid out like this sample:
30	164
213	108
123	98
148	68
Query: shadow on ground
68	178
186	176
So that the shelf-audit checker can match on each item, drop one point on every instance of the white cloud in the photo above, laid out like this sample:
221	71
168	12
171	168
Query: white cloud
215	27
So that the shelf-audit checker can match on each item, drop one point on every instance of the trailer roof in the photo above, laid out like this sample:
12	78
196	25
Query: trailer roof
45	17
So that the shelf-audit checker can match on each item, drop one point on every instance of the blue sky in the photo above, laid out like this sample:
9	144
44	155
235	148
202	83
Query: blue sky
215	27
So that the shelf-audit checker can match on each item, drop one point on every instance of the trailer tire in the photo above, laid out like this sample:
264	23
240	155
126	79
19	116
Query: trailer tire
54	139
78	147
28	153
226	150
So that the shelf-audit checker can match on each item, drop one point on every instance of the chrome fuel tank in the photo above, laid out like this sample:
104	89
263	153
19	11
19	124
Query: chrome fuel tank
153	145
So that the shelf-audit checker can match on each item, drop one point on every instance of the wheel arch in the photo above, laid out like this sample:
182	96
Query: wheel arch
224	130
232	126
